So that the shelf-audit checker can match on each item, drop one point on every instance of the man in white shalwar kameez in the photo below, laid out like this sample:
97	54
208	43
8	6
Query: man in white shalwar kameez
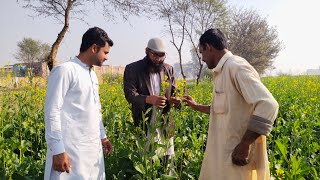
73	122
241	115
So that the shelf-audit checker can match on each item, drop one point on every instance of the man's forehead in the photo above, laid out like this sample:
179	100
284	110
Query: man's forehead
157	52
106	46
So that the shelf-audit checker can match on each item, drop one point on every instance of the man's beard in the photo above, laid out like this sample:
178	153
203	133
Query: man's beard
153	67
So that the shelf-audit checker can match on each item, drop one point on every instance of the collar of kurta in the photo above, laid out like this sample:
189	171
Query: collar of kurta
222	61
78	61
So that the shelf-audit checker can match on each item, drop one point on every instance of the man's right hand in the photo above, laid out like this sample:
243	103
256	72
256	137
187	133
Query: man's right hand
158	101
61	162
189	101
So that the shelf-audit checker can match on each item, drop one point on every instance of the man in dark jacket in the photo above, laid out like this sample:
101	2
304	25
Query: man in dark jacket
143	82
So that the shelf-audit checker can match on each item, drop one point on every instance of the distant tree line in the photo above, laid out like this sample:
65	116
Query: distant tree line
249	34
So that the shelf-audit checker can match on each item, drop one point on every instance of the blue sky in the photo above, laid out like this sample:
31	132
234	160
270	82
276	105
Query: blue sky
296	22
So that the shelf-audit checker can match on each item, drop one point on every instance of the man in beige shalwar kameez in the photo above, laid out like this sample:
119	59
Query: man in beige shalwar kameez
241	115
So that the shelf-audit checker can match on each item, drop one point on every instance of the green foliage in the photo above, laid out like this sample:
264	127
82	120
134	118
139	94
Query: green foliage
23	148
294	142
293	145
31	51
251	37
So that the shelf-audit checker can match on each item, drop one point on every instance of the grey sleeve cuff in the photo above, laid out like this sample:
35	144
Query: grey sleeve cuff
260	125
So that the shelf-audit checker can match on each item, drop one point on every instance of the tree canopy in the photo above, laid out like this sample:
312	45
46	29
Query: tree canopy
249	34
64	10
251	37
186	20
31	51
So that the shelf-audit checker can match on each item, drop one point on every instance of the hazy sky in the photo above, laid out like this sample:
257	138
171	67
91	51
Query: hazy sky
296	21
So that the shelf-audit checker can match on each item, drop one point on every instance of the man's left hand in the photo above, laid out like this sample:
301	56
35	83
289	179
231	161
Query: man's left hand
240	155
175	101
107	146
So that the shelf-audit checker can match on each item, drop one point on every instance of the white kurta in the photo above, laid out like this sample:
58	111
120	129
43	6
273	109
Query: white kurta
73	122
238	96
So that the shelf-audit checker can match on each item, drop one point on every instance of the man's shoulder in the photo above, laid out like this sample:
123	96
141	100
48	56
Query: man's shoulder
65	67
239	64
236	62
69	63
137	64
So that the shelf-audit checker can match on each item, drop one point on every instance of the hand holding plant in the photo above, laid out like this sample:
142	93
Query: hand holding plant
158	101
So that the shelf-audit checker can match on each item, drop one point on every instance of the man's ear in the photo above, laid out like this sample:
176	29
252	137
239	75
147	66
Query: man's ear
209	47
94	48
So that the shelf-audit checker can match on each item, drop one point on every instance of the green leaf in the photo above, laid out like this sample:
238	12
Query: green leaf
282	149
167	177
140	168
314	173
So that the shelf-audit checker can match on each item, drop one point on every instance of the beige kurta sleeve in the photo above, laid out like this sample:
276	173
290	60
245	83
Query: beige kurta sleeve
254	92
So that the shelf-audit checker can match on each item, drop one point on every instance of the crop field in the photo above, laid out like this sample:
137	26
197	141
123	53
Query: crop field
293	146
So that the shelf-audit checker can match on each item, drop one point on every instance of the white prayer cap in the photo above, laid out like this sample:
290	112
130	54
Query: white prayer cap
157	44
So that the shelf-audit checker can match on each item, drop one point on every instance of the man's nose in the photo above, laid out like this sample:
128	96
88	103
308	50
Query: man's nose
158	61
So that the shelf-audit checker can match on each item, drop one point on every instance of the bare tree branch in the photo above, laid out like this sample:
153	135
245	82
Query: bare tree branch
64	10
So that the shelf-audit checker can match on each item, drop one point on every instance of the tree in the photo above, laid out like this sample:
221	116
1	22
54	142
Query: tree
252	38
45	50
204	14
188	19
198	72
31	51
63	10
174	12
